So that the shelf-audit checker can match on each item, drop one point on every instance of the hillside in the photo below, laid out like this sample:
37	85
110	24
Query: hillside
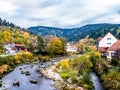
10	32
74	34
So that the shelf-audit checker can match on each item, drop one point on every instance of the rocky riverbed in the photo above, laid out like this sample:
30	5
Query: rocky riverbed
17	81
27	77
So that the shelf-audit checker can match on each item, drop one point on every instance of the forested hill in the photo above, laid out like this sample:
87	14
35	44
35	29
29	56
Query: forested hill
11	33
75	34
5	23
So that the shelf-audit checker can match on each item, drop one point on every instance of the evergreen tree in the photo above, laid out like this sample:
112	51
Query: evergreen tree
0	21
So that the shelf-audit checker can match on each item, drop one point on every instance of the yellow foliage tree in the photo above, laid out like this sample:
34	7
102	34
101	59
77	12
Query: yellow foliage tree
57	46
26	35
54	46
7	35
97	54
64	63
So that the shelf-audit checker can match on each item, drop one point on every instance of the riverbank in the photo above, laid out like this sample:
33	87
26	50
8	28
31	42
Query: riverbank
50	73
11	62
8	63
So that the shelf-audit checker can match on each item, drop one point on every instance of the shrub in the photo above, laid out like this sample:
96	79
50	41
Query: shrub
73	74
64	75
112	80
84	64
101	66
86	49
114	61
44	58
64	63
77	70
25	55
17	59
86	82
3	68
4	60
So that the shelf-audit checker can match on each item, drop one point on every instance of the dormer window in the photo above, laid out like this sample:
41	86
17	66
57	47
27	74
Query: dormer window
108	38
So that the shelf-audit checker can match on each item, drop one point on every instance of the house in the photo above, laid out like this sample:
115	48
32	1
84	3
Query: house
71	48
114	51
11	48
109	46
20	47
106	42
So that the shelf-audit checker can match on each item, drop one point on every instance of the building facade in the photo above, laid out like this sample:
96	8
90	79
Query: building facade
11	48
109	46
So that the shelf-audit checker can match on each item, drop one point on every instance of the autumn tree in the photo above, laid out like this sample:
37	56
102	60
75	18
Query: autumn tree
64	44
57	46
40	44
7	35
33	43
27	39
54	45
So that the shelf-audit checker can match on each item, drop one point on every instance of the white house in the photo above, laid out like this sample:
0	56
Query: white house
107	41
71	48
109	46
11	48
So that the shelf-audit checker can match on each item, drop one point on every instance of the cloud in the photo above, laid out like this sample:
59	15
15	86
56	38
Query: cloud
60	13
7	8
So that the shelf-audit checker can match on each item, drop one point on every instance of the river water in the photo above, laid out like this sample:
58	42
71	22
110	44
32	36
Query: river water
43	83
96	82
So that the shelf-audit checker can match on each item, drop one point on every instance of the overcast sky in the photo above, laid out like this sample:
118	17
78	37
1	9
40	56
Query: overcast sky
60	13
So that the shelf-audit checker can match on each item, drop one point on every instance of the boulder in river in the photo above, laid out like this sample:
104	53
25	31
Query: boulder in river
33	81
16	83
22	72
27	73
20	68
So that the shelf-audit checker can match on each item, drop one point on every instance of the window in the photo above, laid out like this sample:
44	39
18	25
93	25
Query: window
108	38
108	43
112	54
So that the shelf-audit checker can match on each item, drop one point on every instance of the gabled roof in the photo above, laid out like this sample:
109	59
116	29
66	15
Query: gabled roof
108	34
115	46
102	49
20	46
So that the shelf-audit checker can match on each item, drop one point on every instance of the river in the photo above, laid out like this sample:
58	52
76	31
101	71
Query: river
43	83
96	82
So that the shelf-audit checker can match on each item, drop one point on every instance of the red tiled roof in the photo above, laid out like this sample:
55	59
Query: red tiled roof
102	49
115	46
100	38
19	45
